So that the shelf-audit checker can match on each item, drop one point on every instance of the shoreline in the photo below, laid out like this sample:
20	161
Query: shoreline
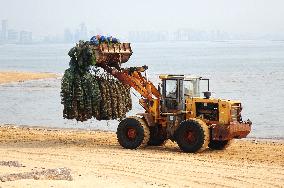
281	140
18	76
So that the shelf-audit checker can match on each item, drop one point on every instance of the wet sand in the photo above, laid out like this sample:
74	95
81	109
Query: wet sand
96	160
6	77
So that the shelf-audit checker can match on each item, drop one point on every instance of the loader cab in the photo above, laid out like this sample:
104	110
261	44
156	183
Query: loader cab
176	89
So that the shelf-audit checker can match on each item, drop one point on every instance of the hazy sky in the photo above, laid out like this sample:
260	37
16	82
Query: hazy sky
120	16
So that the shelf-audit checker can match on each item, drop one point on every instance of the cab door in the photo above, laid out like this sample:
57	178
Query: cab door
173	99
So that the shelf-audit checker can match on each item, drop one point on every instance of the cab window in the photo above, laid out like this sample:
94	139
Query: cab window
191	88
171	88
188	88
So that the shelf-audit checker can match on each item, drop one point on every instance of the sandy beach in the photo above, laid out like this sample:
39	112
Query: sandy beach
194	89
12	76
96	160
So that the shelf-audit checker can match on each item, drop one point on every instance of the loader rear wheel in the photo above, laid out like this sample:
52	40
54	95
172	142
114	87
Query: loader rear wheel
219	144
192	136
132	132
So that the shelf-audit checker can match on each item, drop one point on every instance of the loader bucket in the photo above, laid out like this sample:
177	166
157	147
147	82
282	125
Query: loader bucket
112	53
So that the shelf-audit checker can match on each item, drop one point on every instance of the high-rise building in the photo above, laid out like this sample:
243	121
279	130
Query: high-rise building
13	36
83	32
26	37
4	29
68	36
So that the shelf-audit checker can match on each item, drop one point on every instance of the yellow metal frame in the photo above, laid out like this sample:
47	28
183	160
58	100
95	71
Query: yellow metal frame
224	108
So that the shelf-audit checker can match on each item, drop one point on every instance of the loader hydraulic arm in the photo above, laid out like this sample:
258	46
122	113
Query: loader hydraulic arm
132	76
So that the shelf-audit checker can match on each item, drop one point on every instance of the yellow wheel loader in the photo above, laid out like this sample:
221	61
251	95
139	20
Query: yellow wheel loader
174	110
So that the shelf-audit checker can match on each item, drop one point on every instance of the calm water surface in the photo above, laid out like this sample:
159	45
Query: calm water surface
251	71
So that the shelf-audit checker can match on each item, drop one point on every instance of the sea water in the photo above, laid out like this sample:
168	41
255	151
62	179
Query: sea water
250	71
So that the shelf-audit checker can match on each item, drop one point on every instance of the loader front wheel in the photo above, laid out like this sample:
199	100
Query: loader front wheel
192	136
219	144
132	132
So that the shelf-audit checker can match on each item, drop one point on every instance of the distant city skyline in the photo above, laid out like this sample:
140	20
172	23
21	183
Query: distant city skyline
46	18
10	34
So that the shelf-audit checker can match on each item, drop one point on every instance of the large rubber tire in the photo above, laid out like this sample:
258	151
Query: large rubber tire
132	132
156	139
219	144
192	136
